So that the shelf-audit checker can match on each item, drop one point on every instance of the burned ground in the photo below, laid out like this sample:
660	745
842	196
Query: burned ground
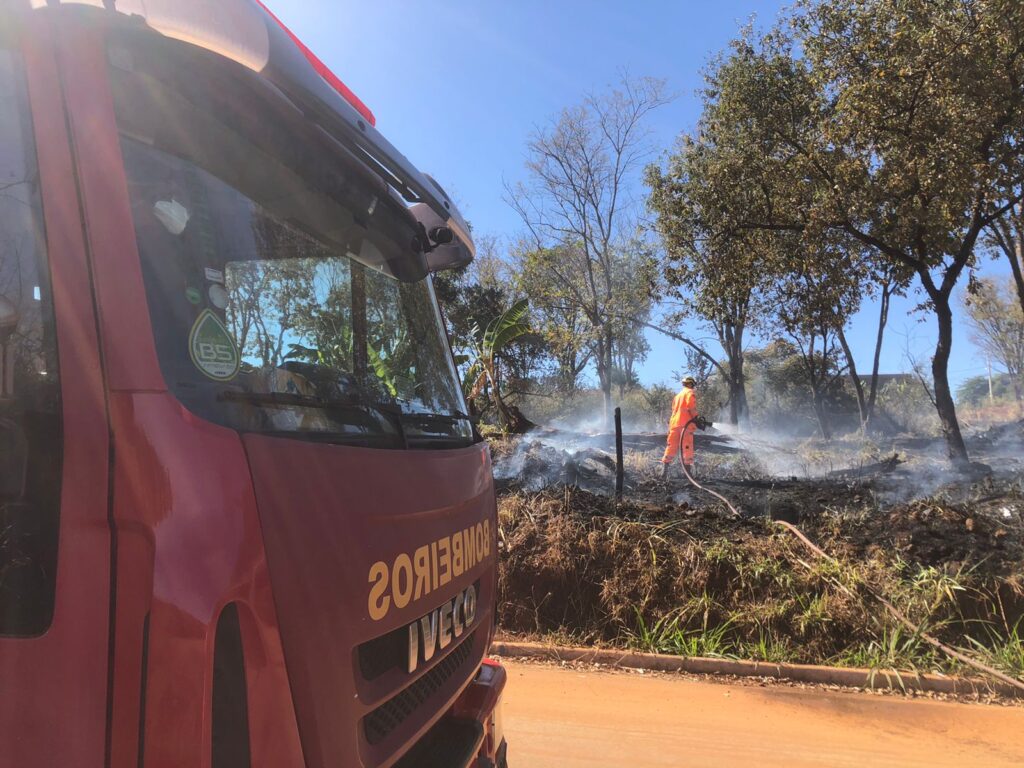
671	569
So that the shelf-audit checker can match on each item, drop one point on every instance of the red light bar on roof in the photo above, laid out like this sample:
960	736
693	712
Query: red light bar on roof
324	72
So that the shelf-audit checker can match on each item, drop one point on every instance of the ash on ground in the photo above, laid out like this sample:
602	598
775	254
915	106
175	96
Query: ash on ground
787	480
535	464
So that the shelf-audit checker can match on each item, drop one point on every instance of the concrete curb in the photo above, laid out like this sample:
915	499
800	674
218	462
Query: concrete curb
804	673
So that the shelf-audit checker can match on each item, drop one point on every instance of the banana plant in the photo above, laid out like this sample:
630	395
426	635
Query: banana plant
488	344
383	370
333	351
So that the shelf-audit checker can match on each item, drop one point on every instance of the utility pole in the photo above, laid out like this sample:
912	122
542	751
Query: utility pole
991	397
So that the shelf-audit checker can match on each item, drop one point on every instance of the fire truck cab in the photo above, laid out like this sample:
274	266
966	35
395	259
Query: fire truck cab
244	517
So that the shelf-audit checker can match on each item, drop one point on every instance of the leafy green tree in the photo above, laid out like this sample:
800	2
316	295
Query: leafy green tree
563	327
896	126
636	280
886	280
711	273
974	392
658	401
560	322
630	349
908	407
583	326
780	395
738	280
271	296
813	302
471	297
815	295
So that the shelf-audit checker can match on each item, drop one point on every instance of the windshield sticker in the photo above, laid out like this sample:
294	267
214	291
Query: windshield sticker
219	296
212	349
193	295
172	214
214	275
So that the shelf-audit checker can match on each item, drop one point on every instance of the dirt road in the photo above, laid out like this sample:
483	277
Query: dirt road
564	718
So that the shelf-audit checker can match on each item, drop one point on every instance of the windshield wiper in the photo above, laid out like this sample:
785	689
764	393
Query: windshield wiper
447	418
391	413
450	419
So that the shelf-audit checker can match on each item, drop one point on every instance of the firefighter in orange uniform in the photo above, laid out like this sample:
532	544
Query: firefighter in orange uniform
684	417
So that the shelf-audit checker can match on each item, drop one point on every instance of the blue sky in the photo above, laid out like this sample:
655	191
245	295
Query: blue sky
458	85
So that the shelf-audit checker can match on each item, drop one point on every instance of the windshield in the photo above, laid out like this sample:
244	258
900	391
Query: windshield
31	433
285	292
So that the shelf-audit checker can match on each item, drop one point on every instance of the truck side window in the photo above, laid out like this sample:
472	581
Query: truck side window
30	424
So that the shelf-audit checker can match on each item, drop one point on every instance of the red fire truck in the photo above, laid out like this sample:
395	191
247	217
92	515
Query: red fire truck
244	518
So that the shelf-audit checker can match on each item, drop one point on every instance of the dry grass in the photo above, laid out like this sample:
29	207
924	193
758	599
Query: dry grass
580	568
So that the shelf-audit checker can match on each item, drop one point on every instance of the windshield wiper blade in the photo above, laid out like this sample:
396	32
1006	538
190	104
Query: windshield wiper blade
447	418
270	398
303	401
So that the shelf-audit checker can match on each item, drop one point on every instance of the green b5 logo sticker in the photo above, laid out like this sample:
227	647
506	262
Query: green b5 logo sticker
212	349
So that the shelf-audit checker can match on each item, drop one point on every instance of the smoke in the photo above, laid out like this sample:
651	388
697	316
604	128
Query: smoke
582	425
889	470
543	459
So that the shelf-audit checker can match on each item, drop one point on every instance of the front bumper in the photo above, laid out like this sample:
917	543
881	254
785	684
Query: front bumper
471	734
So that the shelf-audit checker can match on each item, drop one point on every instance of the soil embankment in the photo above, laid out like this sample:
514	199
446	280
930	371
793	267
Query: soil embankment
670	570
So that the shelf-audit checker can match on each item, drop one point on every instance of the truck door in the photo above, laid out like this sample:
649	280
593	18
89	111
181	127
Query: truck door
55	542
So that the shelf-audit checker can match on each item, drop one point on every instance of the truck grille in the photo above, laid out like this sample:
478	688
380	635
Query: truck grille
384	653
387	652
382	721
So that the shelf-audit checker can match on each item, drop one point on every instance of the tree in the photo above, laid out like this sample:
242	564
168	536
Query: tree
576	203
817	293
727	276
814	300
780	393
997	325
562	326
560	321
484	371
930	122
635	279
556	280
473	294
471	297
975	391
895	126
713	273
1006	235
886	280
629	348
271	296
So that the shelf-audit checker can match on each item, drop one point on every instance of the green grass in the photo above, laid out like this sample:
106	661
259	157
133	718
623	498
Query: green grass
813	612
1003	649
893	648
770	647
669	635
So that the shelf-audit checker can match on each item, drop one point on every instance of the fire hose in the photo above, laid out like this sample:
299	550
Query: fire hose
819	553
697	420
